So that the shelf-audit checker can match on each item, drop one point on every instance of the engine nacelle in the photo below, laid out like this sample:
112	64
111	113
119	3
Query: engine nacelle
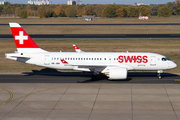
117	73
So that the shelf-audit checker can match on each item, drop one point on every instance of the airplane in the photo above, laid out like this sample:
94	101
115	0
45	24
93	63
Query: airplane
115	65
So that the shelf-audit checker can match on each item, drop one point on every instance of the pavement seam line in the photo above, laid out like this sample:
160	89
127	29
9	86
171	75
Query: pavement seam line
57	101
131	103
171	103
33	93
19	102
37	92
94	101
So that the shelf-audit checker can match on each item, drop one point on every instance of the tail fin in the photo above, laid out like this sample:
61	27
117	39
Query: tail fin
22	40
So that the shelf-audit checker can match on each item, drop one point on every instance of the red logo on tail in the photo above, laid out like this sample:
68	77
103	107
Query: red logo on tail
21	38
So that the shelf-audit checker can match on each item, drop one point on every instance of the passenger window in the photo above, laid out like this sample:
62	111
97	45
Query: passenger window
81	58
78	58
86	58
104	58
54	58
57	58
97	58
94	58
100	58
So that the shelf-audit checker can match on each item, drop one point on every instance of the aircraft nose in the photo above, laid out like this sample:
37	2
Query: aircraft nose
173	65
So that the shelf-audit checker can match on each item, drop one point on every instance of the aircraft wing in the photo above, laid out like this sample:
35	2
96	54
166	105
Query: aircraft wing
95	66
87	65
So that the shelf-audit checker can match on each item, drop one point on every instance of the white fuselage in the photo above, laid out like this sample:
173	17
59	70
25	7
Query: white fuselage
98	61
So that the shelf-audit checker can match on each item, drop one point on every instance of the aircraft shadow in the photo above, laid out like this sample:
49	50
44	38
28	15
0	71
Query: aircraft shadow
150	74
88	77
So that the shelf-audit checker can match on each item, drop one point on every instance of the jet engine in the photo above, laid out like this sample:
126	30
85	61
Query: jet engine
116	73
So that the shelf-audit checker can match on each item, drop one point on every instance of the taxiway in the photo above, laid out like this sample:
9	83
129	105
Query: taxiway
75	96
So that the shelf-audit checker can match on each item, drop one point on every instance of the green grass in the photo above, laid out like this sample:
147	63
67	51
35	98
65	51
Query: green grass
168	47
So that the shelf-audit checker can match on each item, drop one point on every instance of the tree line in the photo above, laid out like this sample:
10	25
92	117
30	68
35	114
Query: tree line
98	10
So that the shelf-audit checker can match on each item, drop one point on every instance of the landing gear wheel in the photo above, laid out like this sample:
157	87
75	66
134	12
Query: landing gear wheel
159	74
93	77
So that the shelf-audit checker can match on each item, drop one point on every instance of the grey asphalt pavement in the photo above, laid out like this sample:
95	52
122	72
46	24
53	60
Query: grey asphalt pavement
76	96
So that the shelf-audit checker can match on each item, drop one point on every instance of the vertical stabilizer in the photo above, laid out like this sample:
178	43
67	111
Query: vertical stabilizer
23	41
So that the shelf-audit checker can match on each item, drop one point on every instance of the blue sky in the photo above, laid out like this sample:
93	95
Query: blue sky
100	1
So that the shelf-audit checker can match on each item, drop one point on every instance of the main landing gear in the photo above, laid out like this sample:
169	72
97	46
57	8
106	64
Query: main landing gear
159	73
95	74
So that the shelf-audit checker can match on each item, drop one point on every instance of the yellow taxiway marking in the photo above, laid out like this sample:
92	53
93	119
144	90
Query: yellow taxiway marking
177	80
11	96
35	93
9	100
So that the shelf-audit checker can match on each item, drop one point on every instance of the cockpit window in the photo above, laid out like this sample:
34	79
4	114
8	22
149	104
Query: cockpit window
167	59
163	59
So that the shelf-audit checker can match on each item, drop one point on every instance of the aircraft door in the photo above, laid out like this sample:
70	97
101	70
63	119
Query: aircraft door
46	60
153	61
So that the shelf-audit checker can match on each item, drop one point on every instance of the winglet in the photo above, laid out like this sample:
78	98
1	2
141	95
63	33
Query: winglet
77	49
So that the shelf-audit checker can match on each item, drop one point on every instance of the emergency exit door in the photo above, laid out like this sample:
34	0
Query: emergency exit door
46	60
153	61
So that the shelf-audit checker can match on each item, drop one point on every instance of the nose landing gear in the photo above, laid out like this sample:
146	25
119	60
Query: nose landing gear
159	73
